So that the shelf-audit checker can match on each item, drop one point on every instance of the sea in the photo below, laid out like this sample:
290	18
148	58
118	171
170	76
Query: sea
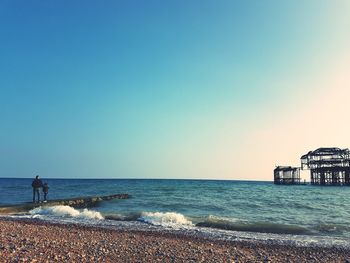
303	215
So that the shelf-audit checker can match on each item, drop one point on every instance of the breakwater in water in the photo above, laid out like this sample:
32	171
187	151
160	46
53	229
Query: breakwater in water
79	202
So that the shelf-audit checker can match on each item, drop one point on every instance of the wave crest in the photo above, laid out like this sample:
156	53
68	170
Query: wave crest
66	211
167	219
235	224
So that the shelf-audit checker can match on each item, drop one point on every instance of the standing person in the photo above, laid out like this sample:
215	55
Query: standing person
36	184
45	191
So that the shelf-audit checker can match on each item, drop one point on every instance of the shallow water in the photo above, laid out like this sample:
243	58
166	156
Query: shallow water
238	206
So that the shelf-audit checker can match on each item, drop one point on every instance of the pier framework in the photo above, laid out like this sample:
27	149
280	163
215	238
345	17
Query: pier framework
328	166
286	175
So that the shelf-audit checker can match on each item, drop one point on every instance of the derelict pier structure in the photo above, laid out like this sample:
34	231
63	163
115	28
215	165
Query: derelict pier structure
328	166
286	175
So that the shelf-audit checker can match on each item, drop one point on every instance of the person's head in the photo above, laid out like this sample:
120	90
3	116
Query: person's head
37	177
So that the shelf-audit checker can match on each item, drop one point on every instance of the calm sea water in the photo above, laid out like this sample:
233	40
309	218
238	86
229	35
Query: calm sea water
257	207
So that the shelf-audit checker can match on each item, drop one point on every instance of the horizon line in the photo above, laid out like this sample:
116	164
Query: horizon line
90	178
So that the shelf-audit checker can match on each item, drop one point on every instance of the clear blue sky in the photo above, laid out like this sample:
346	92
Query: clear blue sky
168	89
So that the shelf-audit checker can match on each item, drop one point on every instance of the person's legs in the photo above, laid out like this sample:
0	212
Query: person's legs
45	194
38	193
34	195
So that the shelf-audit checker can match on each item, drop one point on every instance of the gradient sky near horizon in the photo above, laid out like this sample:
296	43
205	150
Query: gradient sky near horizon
171	89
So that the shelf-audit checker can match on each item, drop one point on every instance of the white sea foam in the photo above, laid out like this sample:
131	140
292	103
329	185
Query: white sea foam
168	219
66	211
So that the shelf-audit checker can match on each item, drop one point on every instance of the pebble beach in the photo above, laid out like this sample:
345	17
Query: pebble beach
33	241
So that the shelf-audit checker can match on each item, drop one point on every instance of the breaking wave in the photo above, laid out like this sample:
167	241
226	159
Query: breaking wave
167	219
66	211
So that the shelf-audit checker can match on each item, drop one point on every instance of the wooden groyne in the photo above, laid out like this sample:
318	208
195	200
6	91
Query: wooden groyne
79	202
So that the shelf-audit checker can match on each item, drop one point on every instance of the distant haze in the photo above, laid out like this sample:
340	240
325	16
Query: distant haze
171	89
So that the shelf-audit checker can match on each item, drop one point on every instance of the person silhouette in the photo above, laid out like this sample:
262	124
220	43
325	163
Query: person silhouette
45	191
36	185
